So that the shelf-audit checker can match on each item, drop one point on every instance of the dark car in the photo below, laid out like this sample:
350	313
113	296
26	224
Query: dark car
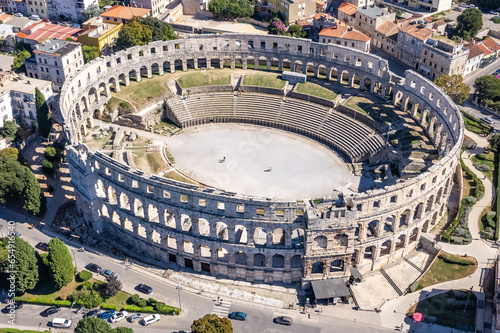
107	314
13	306
135	317
283	320
42	246
93	313
94	268
145	289
50	311
238	315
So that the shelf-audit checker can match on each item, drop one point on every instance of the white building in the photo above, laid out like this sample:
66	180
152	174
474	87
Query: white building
54	61
70	9
17	99
474	60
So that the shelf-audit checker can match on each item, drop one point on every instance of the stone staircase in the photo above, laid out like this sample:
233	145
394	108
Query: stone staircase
393	285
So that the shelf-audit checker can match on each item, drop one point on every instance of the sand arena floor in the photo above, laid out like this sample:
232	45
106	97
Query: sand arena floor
301	167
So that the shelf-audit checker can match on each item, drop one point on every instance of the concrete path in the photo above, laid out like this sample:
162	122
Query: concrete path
393	311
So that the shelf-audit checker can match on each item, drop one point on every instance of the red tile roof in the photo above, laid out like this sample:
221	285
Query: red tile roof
125	12
485	50
348	8
388	29
342	31
415	31
474	50
492	44
41	31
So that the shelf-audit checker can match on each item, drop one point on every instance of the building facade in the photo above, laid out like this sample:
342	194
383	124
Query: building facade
292	10
341	34
474	59
69	9
428	5
442	56
17	6
54	61
17	99
100	34
38	7
411	40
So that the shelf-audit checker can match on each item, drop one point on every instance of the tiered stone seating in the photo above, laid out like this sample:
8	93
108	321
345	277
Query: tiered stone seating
352	138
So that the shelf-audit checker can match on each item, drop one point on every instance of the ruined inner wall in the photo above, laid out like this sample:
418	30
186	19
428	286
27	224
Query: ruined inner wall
257	239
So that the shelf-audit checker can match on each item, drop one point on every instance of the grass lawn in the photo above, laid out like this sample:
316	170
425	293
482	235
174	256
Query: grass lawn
196	79
405	137
15	330
315	90
271	80
46	291
162	123
486	159
447	267
140	93
447	309
177	176
120	299
156	162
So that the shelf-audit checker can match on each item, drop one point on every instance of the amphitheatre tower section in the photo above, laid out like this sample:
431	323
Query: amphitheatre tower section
258	238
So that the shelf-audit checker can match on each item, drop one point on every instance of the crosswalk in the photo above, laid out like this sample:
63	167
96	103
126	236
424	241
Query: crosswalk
221	310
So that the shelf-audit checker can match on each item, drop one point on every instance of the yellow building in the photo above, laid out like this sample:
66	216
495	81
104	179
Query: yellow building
100	33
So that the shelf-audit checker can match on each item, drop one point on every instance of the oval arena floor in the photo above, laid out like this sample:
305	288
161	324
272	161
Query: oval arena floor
301	167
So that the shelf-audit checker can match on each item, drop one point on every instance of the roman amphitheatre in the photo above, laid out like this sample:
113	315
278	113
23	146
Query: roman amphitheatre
197	152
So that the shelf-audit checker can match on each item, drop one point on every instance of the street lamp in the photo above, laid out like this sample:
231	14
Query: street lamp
179	290
74	258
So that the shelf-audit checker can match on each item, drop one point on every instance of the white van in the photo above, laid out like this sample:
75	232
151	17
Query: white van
150	319
61	323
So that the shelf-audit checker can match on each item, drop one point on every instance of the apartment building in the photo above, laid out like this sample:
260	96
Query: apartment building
386	38
17	6
38	7
442	56
54	61
17	98
69	9
428	5
99	33
158	7
474	59
292	10
410	41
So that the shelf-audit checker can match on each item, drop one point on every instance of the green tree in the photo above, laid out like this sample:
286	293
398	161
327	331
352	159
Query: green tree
159	29
34	201
87	298
90	52
84	275
25	267
10	153
60	263
469	23
91	11
12	176
231	8
276	27
122	330
211	323
112	287
50	153
18	64
488	87
495	142
132	34
47	167
42	114
454	86
92	325
9	129
296	30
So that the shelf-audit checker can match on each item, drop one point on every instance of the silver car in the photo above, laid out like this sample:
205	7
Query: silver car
135	317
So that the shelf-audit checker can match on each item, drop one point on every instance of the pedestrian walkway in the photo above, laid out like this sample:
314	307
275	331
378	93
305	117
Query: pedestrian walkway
221	310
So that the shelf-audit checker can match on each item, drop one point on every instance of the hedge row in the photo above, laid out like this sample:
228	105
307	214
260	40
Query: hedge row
455	260
109	307
475	125
479	191
447	234
35	300
15	330
150	309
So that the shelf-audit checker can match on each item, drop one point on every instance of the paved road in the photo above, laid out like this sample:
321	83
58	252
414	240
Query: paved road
260	318
491	68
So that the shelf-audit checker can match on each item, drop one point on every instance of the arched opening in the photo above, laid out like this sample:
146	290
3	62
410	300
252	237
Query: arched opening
317	268
240	234
298	238
115	218
260	236
205	251
296	261
112	195
320	243
278	237
403	219
278	261
222	255
388	224
138	208
240	258
385	248
153	214
186	223
171	242
259	260
124	201
222	231
356	81
203	227
400	242
344	79
99	189
337	266
368	252
169	218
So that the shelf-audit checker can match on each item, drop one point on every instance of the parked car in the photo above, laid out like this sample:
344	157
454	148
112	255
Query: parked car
61	323
488	120
151	319
8	308
463	5
238	315
494	12
118	316
107	314
94	268
50	311
283	320
42	246
472	6
46	20
18	15
107	273
135	317
145	288
93	313
34	17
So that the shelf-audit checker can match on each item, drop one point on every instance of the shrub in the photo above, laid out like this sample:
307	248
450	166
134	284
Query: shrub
142	303
47	167
134	298
456	240
87	285
97	286
152	301
84	275
149	309
109	307
50	153
481	167
470	200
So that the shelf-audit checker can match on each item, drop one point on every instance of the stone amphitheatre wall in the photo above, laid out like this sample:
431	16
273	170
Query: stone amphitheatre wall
257	239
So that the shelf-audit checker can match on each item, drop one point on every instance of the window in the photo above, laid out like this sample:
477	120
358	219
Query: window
422	187
202	203
150	189
153	50
299	48
394	198
279	212
250	44
262	45
165	48
260	211
275	45
352	45
57	71
184	198
376	204
166	194
240	208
